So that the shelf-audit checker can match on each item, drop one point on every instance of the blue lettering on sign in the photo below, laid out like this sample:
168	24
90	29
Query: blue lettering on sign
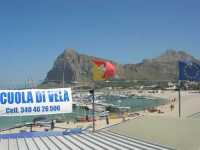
38	97
66	96
58	96
44	97
18	97
12	110
11	98
29	97
57	99
24	97
3	98
51	96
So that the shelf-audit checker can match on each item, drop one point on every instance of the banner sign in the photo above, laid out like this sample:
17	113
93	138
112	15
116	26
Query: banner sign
35	102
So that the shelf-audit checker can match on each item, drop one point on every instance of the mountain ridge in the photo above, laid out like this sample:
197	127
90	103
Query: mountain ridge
77	67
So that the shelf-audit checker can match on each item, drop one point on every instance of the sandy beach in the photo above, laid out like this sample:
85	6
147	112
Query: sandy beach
190	103
167	128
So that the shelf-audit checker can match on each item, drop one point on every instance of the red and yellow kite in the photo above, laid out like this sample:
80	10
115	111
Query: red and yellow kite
102	70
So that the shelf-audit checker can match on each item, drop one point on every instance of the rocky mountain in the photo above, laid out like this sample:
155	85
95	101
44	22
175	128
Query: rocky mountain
77	67
165	67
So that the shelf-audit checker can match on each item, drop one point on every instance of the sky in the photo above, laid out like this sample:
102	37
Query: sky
34	32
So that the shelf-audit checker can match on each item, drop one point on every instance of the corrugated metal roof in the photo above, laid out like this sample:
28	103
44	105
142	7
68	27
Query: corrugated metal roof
101	140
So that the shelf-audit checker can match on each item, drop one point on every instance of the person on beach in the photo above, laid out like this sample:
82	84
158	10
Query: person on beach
87	118
172	107
107	120
52	125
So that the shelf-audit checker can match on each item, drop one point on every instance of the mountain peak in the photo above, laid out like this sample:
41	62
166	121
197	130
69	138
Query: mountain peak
172	55
174	52
69	51
170	52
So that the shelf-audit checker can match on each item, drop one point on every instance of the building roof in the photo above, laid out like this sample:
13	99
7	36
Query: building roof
100	140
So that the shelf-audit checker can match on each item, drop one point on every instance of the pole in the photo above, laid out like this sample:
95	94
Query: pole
63	84
93	110
63	74
179	90
179	98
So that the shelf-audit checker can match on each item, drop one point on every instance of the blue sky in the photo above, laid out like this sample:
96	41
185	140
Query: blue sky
34	32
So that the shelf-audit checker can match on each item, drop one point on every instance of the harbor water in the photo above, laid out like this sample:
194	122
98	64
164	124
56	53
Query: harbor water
135	103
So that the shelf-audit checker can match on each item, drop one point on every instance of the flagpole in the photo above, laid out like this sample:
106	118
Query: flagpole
93	108
93	112
104	69
179	89
179	98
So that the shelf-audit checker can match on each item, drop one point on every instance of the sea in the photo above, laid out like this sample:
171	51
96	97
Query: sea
136	103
